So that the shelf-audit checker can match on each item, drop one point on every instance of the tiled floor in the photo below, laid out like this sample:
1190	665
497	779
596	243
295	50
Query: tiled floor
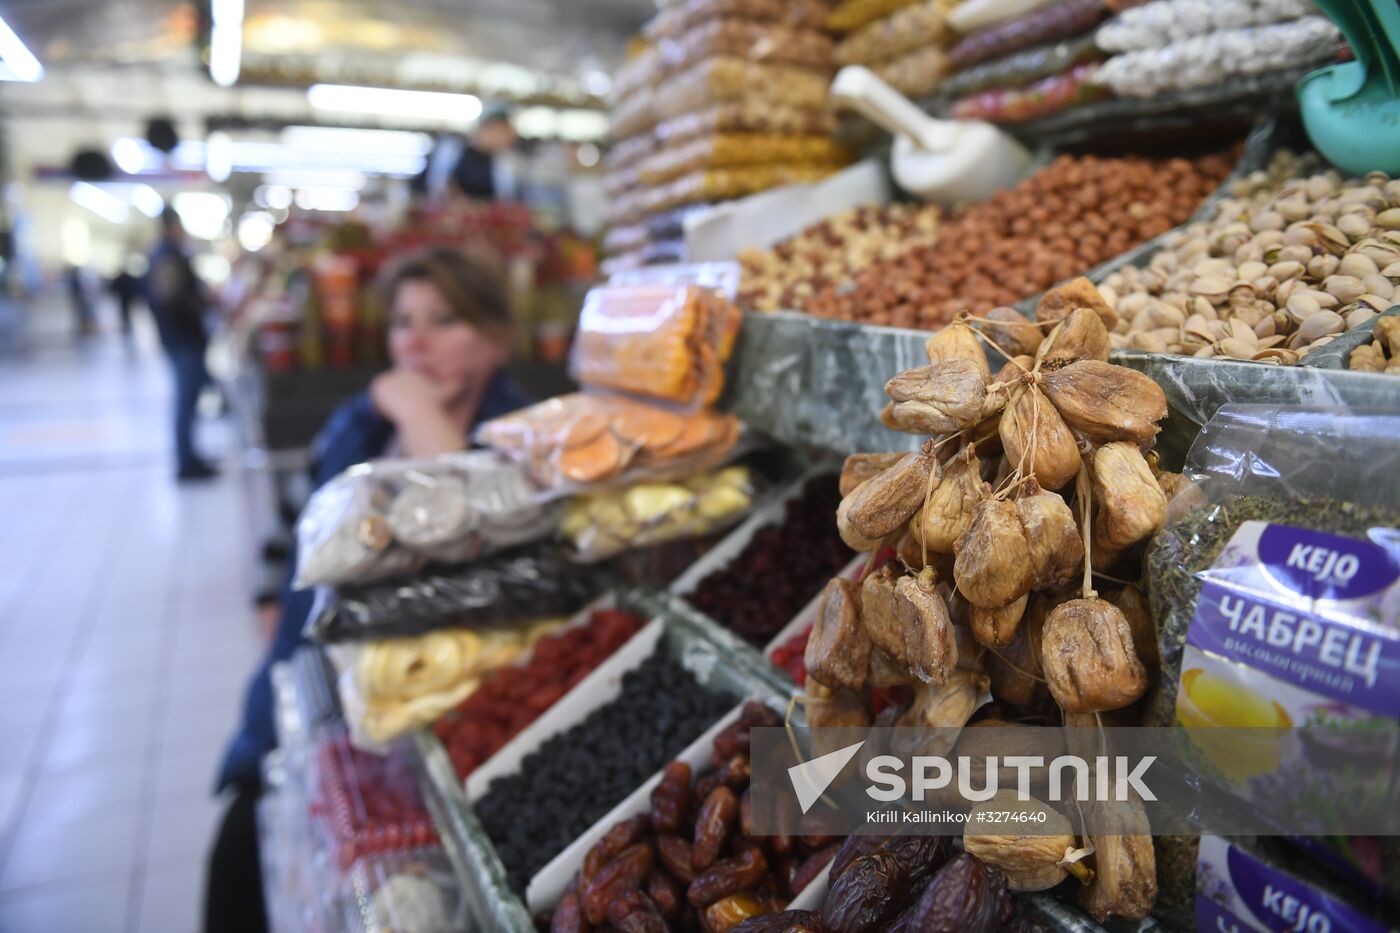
126	634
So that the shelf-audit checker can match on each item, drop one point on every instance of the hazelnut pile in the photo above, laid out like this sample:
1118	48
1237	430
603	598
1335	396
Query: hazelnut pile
831	252
1280	270
1075	213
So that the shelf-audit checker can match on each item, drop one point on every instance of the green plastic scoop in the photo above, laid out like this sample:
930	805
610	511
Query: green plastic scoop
1351	111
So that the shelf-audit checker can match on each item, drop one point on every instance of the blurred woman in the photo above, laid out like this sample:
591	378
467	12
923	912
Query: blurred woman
450	328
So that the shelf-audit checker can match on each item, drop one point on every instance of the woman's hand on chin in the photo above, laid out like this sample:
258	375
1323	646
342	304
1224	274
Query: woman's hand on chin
416	406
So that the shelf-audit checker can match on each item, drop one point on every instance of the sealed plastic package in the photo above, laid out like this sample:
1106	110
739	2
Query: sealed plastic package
754	40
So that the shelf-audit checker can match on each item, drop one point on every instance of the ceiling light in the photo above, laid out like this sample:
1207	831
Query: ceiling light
225	41
102	203
147	200
346	179
129	155
597	83
255	230
273	196
327	199
343	139
588	155
436	105
218	157
202	213
19	63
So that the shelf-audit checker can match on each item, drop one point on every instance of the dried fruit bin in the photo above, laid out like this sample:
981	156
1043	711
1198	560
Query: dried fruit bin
719	662
754	580
403	891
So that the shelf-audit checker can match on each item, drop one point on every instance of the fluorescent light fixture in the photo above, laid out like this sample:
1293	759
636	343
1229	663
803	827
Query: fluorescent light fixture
129	155
225	41
19	63
327	199
341	139
202	213
588	155
272	196
102	203
218	157
76	241
137	157
582	125
147	200
597	82
436	105
247	156
255	230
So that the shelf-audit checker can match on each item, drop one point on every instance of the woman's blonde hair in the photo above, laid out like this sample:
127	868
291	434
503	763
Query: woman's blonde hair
471	285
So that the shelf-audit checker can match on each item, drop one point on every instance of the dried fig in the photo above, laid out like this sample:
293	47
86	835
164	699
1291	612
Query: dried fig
1080	336
1125	865
1134	606
841	710
853	539
860	467
957	341
879	612
1058	302
879	506
1010	330
1057	552
930	645
993	565
1015	667
1087	654
948	512
1130	503
886	672
838	651
940	398
1031	862
1106	402
1031	423
908	550
947	707
996	627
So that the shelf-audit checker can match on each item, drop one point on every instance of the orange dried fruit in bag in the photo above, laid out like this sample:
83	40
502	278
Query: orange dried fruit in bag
588	463
647	427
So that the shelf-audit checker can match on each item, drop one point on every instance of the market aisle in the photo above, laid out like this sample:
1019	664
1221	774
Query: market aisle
126	634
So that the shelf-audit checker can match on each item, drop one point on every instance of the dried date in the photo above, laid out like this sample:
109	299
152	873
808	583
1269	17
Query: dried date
812	866
784	921
675	855
664	890
635	912
850	850
624	873
614	841
722	916
964	896
568	914
728	876
735	773
701	791
716	818
670	800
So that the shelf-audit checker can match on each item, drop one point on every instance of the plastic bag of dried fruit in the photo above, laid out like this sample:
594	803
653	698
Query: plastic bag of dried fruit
723	79
752	40
669	344
645	514
678	19
498	590
388	517
588	442
392	686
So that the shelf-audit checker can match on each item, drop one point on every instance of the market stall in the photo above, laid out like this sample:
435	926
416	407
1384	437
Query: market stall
957	469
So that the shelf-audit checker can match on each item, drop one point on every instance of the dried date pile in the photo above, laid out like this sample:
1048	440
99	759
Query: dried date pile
760	590
1031	480
692	862
1074	214
577	776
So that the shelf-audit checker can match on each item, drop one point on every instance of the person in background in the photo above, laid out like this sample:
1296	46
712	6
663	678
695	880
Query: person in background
177	300
477	172
450	329
125	287
82	305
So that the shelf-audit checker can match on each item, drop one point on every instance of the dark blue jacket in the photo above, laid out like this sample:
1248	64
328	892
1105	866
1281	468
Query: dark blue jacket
176	298
355	433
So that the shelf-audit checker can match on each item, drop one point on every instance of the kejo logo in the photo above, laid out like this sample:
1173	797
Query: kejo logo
1104	779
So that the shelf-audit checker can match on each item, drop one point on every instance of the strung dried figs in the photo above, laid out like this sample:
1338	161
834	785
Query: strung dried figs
852	538
1010	331
1106	402
1030	423
1015	667
1125	865
860	467
964	896
879	506
1144	629
1088	657
1131	505
993	565
1057	551
949	510
945	707
940	398
879	612
841	710
838	650
930	646
1078	292
957	341
867	894
884	672
1080	336
997	627
1033	862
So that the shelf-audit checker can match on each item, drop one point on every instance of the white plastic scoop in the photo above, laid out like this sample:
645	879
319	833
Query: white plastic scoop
943	161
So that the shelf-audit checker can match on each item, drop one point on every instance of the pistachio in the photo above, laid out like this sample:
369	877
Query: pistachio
1320	267
1212	287
1319	325
1294	253
1303	306
1285	270
1379	285
1345	288
1357	264
1354	226
1360	316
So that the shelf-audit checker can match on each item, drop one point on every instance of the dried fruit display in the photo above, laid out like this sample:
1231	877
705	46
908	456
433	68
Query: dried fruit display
367	803
692	860
585	439
510	699
1032	862
578	775
1289	262
1071	215
761	589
